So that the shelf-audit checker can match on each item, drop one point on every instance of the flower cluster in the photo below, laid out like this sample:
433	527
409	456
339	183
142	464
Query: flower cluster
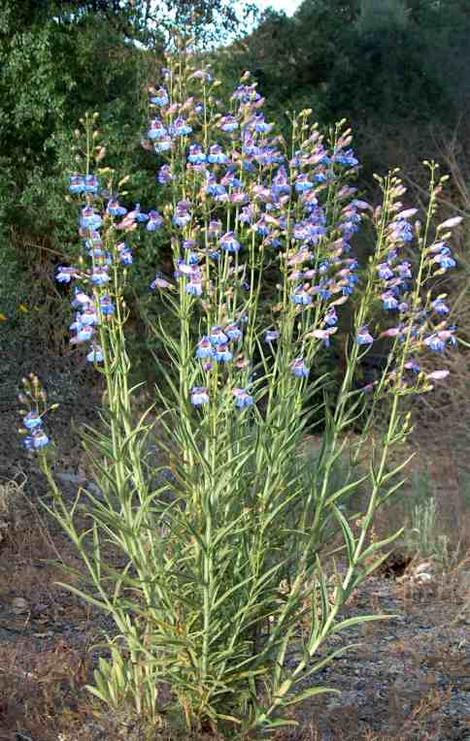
34	401
405	291
242	201
104	224
218	345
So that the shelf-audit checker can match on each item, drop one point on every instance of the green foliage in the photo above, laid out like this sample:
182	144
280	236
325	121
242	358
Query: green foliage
383	64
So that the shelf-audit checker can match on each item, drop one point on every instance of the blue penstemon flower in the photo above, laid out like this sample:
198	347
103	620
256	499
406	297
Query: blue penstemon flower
89	219
229	243
182	215
299	369
95	355
199	396
157	131
160	97
180	127
363	336
37	440
204	349
222	354
243	399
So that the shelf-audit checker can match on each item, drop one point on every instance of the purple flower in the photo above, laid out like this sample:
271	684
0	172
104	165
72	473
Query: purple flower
222	354
402	230
80	298
125	255
95	355
93	241
65	274
324	334
157	131
163	145
90	219
199	396
404	269
271	335
247	94
229	243
233	332
444	259
202	74
181	127
139	215
260	125
280	184
88	317
299	369
99	276
301	297
160	282
364	337
164	175
183	268
439	306
390	301
385	271
32	420
204	349
182	215
218	337
303	184
91	184
413	366
438	340
248	214
192	257
331	317
160	98
262	226
155	221
216	155
346	158
228	123
196	155
77	184
243	399
37	440
215	229
269	156
194	287
215	189
114	208
107	307
435	343
84	334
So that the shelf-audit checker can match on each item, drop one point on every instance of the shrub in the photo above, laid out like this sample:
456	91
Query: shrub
223	566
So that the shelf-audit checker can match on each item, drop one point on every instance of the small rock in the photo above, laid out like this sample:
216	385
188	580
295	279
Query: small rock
464	579
426	566
19	605
423	577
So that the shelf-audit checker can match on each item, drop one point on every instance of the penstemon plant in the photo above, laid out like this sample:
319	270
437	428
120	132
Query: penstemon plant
223	566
